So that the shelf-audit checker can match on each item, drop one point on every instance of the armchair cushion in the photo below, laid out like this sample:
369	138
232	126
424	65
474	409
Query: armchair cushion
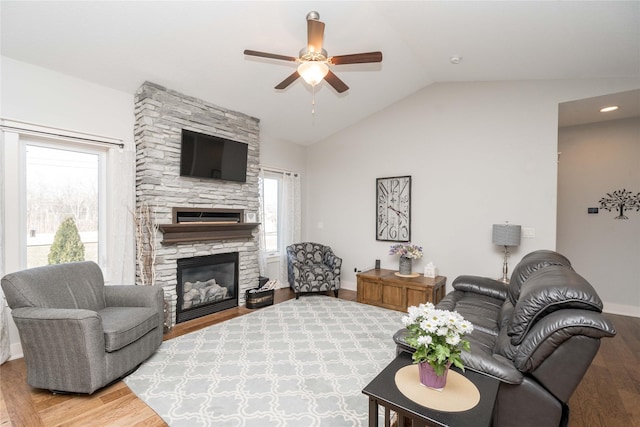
124	325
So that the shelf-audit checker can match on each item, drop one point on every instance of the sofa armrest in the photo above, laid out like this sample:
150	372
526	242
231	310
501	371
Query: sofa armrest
477	360
481	285
64	348
556	328
492	365
136	296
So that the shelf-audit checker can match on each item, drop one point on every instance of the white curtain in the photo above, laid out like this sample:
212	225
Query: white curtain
4	324
290	224
262	246
120	257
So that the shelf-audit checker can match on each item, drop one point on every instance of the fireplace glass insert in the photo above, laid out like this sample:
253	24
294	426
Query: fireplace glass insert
206	285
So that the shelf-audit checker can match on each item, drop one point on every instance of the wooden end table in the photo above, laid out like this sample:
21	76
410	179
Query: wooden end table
384	288
384	392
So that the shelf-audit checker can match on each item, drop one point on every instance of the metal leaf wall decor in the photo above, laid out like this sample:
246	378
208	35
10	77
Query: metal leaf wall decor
622	201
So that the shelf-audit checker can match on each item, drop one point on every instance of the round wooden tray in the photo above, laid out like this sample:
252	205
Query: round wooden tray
459	394
407	275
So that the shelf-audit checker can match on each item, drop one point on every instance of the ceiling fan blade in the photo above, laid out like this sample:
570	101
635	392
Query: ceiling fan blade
270	55
286	82
356	58
334	81
315	35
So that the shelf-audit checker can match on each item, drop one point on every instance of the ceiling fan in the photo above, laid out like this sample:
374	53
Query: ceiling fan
314	61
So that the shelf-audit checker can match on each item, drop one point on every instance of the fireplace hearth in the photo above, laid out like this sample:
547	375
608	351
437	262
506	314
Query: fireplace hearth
206	285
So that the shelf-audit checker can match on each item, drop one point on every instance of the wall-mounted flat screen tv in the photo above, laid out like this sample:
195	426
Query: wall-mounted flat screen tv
212	157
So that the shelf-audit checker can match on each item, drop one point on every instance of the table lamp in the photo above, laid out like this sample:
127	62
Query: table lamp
505	235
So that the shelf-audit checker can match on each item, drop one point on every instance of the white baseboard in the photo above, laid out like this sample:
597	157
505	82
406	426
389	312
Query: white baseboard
621	309
15	350
352	286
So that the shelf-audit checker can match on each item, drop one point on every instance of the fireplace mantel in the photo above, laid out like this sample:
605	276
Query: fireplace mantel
206	224
192	232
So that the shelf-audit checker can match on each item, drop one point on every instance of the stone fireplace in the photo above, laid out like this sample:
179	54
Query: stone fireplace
160	116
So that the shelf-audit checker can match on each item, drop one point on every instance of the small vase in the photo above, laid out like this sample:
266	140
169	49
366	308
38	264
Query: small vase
405	265
428	377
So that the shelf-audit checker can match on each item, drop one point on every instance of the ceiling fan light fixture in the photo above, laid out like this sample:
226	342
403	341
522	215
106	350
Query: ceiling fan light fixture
313	71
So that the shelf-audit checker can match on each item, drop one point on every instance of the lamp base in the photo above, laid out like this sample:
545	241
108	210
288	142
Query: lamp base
505	269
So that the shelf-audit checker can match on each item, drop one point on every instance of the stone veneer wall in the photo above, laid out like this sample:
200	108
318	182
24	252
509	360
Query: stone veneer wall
160	116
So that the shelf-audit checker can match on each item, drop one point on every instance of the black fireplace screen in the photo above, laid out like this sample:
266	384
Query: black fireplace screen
206	285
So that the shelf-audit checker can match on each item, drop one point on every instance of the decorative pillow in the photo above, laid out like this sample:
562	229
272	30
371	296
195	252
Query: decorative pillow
547	290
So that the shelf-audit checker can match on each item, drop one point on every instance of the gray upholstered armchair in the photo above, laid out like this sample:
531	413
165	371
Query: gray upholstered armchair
77	334
313	267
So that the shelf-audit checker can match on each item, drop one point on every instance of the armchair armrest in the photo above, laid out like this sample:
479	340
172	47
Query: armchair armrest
136	296
63	347
133	296
481	285
332	260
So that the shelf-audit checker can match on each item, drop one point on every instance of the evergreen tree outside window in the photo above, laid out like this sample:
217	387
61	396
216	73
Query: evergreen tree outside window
67	246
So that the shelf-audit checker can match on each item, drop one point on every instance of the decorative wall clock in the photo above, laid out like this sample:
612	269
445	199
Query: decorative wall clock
393	209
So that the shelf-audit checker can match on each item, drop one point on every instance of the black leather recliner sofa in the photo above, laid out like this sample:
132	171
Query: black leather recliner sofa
538	336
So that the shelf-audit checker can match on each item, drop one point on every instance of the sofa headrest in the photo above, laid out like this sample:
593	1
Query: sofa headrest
531	263
69	285
550	289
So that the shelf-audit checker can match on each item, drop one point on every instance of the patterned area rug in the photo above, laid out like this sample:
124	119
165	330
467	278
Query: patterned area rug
298	363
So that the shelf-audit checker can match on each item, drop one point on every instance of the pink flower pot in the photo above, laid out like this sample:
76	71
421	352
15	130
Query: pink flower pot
428	377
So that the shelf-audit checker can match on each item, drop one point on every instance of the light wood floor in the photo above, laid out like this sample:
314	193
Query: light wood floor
609	394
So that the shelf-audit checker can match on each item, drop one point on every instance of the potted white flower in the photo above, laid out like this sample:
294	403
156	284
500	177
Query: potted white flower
437	337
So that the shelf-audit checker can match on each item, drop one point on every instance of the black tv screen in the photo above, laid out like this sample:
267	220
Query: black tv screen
212	157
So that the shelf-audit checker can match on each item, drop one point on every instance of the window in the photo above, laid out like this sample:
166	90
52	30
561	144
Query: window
62	193
272	186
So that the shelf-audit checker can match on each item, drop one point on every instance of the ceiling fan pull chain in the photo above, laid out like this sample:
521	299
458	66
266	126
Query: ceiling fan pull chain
313	100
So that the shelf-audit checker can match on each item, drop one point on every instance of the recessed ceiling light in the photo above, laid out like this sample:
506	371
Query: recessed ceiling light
607	109
455	59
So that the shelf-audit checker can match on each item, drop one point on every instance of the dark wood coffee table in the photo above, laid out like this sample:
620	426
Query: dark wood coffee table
383	391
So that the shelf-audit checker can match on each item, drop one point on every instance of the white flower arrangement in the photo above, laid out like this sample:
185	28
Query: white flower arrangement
437	336
407	250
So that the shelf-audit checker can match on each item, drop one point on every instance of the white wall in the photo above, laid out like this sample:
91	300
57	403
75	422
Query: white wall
597	159
284	155
478	153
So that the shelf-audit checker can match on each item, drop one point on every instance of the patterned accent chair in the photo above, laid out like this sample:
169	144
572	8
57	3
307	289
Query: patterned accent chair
313	267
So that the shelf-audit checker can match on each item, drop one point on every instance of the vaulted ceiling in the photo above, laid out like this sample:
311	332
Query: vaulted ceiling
197	48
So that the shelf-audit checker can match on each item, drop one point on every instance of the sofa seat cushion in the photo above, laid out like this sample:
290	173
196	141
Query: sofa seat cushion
124	325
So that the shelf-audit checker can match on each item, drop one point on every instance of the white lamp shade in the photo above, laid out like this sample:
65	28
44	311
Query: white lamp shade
506	235
313	71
